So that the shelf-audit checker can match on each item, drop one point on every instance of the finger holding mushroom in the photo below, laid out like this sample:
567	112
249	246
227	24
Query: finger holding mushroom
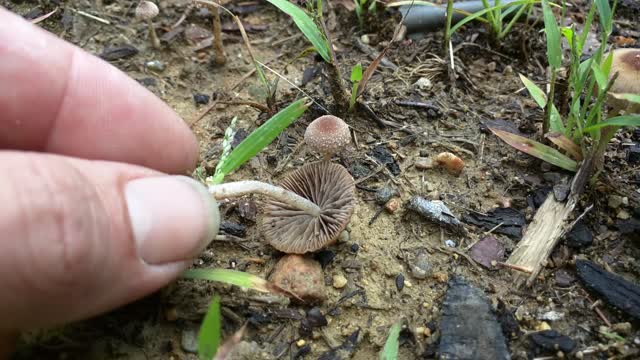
626	63
146	11
327	135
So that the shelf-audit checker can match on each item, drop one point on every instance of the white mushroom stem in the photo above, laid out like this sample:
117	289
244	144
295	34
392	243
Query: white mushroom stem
153	36
240	188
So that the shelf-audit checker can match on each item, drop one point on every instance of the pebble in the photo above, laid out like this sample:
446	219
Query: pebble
420	330
301	343
423	84
365	39
580	236
400	282
201	99
339	281
492	66
542	326
344	236
424	164
508	70
450	243
614	201
551	316
354	248
623	215
420	266
392	205
300	275
155	65
623	328
189	341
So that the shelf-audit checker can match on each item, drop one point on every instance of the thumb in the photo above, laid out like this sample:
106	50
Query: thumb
80	237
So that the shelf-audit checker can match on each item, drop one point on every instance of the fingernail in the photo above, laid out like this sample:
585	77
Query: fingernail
173	218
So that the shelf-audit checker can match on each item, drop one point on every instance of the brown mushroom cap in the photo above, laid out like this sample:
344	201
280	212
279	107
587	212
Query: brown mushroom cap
293	231
626	62
327	135
146	10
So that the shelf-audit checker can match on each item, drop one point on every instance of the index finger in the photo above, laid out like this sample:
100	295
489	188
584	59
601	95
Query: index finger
56	98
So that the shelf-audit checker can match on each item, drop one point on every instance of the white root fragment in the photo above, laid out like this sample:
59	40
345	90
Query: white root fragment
240	188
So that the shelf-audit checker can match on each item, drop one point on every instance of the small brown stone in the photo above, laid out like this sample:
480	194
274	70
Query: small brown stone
392	205
301	276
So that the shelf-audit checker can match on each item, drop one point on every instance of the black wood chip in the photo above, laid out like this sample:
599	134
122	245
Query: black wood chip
469	329
613	288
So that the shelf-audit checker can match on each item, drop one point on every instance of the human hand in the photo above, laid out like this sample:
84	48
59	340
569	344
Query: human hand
81	230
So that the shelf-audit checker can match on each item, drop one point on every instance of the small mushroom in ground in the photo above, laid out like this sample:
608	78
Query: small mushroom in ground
293	231
450	162
626	63
221	57
301	276
146	11
327	135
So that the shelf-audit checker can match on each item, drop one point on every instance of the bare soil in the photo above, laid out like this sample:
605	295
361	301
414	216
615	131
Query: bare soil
375	253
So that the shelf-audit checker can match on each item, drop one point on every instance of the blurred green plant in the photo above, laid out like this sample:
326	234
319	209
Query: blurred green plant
210	331
310	24
502	18
364	7
356	77
588	83
392	345
255	142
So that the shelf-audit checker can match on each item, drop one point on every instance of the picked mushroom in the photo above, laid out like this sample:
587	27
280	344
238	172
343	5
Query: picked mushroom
146	11
327	135
293	231
626	63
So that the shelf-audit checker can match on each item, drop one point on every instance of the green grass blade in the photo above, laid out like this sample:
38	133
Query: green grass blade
555	120
478	14
586	29
536	93
391	346
306	25
605	15
231	277
536	149
601	78
554	50
210	331
218	176
618	121
356	77
263	136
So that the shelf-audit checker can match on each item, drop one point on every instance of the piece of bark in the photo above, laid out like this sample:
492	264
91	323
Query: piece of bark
614	289
469	329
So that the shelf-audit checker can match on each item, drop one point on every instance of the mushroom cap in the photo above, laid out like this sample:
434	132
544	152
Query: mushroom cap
327	135
293	231
626	62
146	10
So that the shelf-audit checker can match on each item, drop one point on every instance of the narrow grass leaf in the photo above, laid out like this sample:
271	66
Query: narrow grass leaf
306	25
210	331
566	144
605	15
536	93
263	136
555	120
478	15
618	121
536	149
554	50
231	277
601	78
391	346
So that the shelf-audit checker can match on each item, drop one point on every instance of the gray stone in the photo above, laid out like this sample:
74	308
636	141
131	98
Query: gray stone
189	341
